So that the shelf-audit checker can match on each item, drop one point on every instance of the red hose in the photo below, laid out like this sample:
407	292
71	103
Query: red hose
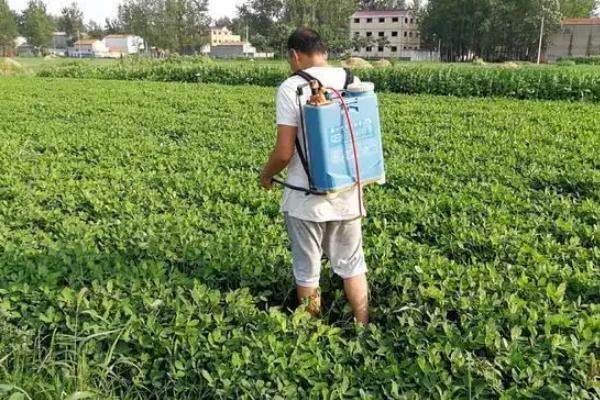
354	148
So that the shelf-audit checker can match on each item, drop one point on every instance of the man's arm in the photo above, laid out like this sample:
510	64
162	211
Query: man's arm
281	155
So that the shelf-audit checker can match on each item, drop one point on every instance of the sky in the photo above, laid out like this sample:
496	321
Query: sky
99	10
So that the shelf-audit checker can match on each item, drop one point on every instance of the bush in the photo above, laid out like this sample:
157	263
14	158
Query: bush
546	83
590	60
566	63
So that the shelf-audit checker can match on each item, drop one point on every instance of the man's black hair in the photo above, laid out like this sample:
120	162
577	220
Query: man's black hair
306	41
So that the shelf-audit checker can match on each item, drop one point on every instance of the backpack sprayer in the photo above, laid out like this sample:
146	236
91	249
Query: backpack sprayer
341	145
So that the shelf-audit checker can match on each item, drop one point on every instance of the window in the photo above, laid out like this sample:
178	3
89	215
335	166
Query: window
381	20
395	19
405	47
410	34
381	34
406	20
380	48
369	20
394	49
417	20
369	49
369	34
395	34
405	34
412	21
356	33
356	20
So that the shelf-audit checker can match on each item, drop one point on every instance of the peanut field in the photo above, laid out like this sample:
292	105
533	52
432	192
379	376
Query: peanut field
140	260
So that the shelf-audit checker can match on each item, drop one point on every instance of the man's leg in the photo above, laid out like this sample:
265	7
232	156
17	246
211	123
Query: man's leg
343	246
357	293
312	297
305	240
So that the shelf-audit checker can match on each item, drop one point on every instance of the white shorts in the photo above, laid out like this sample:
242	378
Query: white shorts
341	241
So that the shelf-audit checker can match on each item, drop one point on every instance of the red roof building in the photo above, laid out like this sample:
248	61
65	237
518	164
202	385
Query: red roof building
578	37
580	21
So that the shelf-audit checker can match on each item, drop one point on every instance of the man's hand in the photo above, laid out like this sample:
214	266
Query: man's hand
281	155
266	182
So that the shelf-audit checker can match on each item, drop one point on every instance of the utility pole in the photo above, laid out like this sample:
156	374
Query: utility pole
539	55
247	34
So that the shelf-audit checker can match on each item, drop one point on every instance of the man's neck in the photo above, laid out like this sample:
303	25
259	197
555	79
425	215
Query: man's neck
315	64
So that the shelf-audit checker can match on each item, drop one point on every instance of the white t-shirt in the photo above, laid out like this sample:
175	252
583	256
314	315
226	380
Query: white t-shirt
344	205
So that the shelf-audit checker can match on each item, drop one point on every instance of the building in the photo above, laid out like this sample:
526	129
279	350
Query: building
19	40
218	36
88	48
385	34
10	49
223	35
579	37
233	50
59	43
26	50
124	44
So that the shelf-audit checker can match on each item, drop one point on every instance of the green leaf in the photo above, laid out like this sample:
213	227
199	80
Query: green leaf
81	395
207	376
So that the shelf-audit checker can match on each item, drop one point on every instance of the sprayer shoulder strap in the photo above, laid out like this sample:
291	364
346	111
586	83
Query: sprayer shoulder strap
349	78
302	152
306	76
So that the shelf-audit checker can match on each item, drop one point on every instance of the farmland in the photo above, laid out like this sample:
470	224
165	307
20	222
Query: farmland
139	259
34	64
520	82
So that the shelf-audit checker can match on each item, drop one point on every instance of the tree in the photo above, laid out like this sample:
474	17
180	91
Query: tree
492	29
274	20
359	42
71	20
8	28
196	24
94	30
179	25
262	18
329	18
382	5
113	26
138	17
578	8
37	24
417	6
224	22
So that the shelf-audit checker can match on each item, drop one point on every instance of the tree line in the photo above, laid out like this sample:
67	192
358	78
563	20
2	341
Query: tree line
491	29
496	29
37	25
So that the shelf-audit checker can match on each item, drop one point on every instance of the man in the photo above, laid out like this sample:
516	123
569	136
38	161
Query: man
315	224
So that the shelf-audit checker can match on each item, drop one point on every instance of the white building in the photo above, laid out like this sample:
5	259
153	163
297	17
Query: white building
219	36
385	33
20	40
58	44
223	35
233	50
88	48
124	44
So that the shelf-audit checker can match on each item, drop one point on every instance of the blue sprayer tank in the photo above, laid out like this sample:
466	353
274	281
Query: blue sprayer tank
330	151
